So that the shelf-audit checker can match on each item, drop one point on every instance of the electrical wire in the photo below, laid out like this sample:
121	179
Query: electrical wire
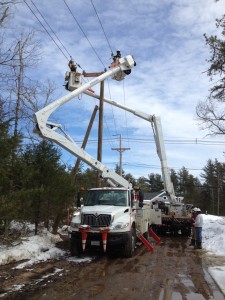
112	54
124	101
157	167
93	47
108	131
166	141
62	45
113	117
83	33
46	30
101	26
50	28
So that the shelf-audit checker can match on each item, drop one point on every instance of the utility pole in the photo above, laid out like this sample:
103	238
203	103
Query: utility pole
120	150
100	123
218	194
76	168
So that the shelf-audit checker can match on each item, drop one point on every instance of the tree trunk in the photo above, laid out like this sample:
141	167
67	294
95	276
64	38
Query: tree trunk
56	223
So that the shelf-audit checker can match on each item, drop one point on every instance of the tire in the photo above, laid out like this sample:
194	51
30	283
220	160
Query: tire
129	247
186	231
75	248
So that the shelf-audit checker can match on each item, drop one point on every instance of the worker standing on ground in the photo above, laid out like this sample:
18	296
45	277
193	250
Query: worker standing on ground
193	235
198	228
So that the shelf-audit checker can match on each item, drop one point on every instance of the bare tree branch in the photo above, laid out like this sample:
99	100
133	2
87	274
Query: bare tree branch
211	113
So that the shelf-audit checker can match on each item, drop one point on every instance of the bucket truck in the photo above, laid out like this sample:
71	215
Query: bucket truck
174	214
111	217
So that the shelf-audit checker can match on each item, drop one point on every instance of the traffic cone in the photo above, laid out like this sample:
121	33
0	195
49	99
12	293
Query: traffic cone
104	231
84	231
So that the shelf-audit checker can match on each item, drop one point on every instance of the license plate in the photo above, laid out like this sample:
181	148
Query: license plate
95	243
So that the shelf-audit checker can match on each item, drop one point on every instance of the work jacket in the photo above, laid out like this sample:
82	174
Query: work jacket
198	221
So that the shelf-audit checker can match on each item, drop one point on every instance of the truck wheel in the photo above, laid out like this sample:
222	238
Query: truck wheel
186	231
75	248
129	247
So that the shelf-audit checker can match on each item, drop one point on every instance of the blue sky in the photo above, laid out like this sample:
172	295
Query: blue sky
166	39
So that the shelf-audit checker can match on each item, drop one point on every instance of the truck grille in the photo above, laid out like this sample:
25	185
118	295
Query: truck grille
96	220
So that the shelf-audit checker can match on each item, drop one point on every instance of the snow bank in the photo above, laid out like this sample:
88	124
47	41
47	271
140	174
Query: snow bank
34	248
213	234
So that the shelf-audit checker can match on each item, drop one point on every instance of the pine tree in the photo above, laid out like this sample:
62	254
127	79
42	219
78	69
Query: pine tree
48	186
8	153
213	191
188	186
155	182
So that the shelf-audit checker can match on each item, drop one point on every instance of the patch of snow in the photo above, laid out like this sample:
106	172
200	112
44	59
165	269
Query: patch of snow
34	248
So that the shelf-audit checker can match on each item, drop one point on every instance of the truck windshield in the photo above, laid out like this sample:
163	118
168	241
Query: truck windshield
106	197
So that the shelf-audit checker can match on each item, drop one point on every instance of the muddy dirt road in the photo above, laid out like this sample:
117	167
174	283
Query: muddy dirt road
174	271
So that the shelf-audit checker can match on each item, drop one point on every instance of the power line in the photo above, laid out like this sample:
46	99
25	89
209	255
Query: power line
102	27
124	101
113	116
83	33
50	28
91	43
168	141
45	30
107	80
111	54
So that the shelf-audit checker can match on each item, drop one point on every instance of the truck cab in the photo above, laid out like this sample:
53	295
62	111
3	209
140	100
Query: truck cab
110	210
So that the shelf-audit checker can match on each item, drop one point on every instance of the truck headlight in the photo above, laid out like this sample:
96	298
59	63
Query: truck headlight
119	225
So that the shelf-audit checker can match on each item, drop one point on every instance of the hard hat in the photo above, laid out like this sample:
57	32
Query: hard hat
198	209
194	209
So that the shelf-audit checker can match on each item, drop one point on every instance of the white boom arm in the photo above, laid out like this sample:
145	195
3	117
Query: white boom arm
48	129
158	136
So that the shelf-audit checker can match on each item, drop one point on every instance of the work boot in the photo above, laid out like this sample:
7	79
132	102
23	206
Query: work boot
198	245
192	242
